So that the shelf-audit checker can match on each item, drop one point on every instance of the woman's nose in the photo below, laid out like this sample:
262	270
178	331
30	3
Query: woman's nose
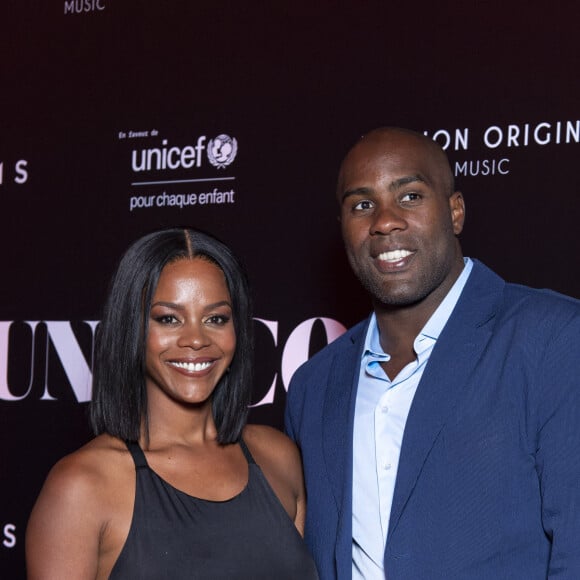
194	336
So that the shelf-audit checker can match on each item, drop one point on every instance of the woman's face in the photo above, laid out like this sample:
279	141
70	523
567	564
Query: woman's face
191	339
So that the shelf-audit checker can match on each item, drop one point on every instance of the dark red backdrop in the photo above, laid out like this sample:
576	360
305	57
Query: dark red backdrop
85	84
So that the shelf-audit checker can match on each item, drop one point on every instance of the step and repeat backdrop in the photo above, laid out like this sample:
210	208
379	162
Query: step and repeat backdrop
121	117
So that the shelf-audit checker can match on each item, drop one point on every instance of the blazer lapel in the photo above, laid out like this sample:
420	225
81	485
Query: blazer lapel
338	413
337	433
450	366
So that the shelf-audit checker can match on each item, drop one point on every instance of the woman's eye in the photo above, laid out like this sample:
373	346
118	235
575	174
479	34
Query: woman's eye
166	319
218	319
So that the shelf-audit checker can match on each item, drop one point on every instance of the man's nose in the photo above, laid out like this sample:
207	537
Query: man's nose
388	218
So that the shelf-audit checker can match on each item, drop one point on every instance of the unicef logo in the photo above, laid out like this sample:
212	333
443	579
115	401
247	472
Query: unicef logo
222	150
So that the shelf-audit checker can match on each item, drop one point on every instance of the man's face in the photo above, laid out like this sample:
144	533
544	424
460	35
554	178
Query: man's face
399	221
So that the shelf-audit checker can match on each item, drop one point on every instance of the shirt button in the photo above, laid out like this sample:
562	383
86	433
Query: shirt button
385	409
386	466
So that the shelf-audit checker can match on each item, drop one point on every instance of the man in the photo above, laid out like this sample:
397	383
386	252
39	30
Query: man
441	437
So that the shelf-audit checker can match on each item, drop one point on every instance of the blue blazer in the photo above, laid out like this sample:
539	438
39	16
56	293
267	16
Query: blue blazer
488	485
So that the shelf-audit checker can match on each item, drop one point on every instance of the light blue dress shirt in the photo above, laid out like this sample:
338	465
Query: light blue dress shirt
381	411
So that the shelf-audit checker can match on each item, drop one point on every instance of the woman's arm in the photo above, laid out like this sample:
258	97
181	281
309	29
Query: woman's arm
62	537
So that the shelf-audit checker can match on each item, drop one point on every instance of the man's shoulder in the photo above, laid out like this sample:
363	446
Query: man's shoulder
345	341
520	297
540	311
542	297
543	312
324	357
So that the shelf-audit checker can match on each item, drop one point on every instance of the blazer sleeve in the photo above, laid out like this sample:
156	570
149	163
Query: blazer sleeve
558	447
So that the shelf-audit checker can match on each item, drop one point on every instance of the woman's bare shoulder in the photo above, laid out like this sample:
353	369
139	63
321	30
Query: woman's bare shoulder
83	493
88	472
268	438
274	448
94	458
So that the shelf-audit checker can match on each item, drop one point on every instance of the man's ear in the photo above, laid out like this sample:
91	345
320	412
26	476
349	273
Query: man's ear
457	207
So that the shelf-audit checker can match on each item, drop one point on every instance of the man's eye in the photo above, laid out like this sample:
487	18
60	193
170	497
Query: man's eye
363	205
410	197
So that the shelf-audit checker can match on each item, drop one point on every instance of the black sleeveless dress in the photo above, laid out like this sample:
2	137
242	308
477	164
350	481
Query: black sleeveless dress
175	536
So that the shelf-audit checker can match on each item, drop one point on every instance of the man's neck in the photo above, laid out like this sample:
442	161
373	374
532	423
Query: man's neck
399	326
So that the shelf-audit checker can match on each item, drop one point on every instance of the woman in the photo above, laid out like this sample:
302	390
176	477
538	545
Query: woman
170	487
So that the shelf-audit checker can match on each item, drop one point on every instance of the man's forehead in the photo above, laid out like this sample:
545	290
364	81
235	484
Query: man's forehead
389	165
395	178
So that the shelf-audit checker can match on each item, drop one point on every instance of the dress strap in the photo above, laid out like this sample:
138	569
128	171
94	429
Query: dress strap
137	454
246	451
